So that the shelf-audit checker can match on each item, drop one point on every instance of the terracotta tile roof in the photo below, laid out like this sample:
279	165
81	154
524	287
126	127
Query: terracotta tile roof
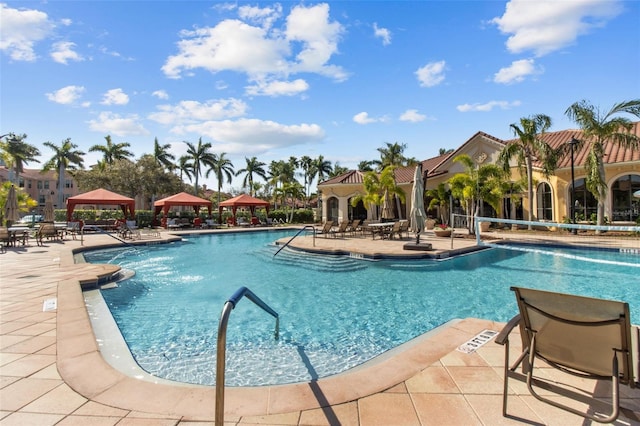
613	153
350	177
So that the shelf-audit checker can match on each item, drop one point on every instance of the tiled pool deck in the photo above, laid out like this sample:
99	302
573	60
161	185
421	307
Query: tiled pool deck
52	373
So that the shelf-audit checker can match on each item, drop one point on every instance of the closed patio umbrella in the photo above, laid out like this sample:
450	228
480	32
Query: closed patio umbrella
387	211
417	214
49	214
11	212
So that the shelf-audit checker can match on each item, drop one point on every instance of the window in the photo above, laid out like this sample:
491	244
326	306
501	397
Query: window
585	203
543	198
68	184
332	209
21	182
46	184
39	184
625	207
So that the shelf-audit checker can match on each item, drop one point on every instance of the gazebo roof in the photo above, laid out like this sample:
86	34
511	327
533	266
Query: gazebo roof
244	200
182	199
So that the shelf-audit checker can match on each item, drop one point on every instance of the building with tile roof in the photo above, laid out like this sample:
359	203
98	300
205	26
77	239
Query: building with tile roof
552	195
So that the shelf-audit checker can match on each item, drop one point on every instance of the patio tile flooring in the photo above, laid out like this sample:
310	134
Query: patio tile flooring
52	374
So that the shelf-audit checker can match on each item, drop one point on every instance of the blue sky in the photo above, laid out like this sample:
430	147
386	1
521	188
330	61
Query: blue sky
338	79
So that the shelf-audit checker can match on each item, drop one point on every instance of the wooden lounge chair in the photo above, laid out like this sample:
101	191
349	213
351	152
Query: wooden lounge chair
342	229
390	233
326	228
48	231
581	336
404	228
354	227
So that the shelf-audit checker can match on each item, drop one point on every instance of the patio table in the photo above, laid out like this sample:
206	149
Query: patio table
378	228
19	232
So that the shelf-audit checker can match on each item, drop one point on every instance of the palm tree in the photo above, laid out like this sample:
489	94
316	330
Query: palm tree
16	154
338	170
199	156
295	191
476	185
324	168
65	157
254	167
162	155
365	166
376	185
309	172
185	167
392	155
439	198
221	167
529	146
598	129
112	151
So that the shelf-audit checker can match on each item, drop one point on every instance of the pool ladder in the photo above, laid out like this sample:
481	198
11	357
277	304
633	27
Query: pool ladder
222	342
313	228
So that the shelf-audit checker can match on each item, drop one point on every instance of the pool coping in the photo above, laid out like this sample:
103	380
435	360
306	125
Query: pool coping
83	367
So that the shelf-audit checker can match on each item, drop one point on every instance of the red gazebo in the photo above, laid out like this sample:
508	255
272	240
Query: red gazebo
100	197
243	200
181	199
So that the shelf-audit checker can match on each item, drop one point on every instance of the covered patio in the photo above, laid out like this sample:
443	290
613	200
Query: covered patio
242	200
99	197
180	199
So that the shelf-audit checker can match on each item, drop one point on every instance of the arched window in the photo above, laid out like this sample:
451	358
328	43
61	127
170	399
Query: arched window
332	209
543	198
625	207
585	203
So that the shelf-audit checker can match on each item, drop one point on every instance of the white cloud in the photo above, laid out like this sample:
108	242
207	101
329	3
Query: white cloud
160	94
431	74
517	72
62	52
115	97
363	118
319	37
230	45
253	136
264	16
547	26
278	88
20	30
115	124
67	95
413	116
486	107
305	43
383	33
187	112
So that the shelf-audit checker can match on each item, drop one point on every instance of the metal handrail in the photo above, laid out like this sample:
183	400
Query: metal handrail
298	233
95	228
222	342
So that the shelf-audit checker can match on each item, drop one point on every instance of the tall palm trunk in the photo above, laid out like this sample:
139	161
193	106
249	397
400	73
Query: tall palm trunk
530	190
61	186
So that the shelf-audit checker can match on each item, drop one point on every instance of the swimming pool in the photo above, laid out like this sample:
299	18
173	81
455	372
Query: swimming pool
335	312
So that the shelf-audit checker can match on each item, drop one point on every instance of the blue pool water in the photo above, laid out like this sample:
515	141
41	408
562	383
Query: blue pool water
335	312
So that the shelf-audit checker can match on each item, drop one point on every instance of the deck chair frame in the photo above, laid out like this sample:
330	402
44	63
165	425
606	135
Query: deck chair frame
586	337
